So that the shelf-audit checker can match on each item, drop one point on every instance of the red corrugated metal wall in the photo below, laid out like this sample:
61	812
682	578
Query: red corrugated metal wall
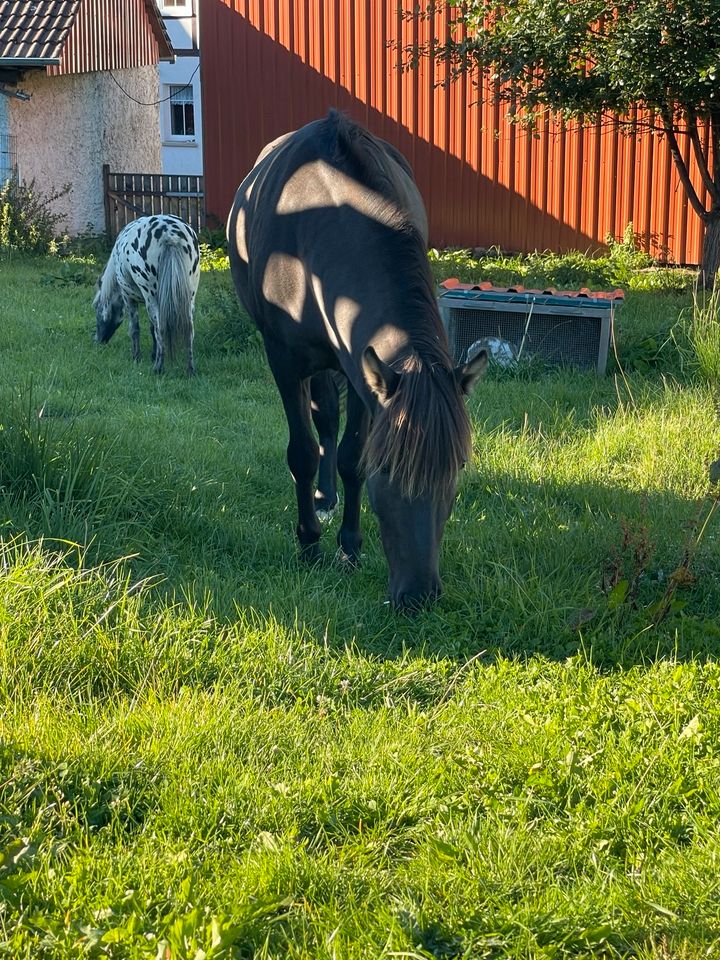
108	35
269	66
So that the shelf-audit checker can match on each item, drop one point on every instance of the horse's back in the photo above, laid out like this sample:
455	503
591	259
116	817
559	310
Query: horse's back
316	200
141	247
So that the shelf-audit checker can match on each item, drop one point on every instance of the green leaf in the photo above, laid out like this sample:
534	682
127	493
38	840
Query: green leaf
618	594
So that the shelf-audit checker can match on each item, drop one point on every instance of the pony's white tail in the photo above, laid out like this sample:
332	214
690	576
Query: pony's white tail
175	294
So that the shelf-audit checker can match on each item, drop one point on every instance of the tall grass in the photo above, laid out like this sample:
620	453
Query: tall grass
208	750
702	330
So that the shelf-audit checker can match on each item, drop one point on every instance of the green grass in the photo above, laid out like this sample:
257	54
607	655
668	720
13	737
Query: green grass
208	750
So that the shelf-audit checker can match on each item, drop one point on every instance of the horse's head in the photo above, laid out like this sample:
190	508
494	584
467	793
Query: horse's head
413	500
108	312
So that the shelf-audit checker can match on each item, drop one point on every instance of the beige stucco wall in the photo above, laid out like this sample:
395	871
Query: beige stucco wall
75	124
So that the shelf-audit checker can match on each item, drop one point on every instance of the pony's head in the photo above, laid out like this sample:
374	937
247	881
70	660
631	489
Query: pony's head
418	443
108	305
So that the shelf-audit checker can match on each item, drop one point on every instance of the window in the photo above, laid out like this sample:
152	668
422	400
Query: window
172	8
182	112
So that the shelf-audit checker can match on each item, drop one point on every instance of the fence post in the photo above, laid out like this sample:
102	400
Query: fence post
106	200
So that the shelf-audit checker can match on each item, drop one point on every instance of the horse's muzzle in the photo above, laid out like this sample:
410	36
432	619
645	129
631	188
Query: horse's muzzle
411	601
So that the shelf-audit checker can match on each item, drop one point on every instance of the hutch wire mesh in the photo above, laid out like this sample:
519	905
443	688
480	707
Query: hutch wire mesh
564	329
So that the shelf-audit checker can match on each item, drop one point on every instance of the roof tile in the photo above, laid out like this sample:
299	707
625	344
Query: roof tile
485	286
35	29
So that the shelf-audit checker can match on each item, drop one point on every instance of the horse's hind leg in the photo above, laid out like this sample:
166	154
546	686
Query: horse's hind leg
302	454
349	454
191	339
134	328
154	341
325	405
156	334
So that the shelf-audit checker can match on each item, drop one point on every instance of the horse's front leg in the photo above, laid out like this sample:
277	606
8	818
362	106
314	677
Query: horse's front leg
349	454
134	328
303	455
325	404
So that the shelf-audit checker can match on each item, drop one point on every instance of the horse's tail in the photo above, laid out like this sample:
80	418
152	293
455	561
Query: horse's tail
175	293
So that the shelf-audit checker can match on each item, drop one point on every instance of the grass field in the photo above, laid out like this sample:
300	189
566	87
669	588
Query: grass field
209	751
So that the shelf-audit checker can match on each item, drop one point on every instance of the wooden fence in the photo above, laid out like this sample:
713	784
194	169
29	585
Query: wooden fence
132	195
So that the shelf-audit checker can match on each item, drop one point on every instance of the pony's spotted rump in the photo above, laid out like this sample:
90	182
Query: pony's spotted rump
155	261
327	240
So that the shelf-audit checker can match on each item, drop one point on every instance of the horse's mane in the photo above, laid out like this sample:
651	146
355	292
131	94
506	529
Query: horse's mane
421	437
380	167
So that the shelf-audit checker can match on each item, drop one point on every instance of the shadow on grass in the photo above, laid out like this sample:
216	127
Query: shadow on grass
528	568
524	563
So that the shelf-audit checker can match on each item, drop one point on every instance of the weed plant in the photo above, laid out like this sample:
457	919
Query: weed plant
28	223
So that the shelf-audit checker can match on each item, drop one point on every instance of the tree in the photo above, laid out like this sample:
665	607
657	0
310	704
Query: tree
585	58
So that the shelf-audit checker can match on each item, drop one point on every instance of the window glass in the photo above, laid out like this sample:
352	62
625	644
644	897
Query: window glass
182	112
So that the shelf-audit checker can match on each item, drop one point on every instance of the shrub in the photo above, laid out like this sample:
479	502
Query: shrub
27	222
625	258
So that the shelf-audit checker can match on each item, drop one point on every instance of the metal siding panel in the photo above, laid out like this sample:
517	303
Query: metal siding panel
484	181
663	177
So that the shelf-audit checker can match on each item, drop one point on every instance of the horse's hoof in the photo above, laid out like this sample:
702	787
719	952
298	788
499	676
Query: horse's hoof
311	554
325	516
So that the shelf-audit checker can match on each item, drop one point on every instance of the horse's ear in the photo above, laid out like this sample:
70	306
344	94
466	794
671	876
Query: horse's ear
381	378
468	374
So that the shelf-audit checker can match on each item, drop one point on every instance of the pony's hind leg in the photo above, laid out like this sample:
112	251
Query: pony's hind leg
191	359
325	405
134	329
156	333
191	336
349	454
302	453
154	341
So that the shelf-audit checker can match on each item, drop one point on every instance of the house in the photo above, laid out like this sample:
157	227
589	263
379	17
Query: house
80	89
180	111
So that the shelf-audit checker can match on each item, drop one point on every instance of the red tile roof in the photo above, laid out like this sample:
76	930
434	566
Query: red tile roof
452	283
34	32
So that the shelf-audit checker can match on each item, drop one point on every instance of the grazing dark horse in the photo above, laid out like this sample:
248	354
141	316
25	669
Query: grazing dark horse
155	260
328	250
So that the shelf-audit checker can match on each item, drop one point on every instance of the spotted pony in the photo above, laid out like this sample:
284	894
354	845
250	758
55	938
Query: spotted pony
155	260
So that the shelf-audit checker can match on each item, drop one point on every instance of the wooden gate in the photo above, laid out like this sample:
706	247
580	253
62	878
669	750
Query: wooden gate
132	195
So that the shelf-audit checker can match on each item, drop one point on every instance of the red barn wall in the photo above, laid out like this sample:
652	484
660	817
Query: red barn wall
269	66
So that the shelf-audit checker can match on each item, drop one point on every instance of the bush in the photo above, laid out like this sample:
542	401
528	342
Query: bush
27	222
624	265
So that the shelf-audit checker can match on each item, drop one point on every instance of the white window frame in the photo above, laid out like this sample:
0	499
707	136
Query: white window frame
183	9
179	138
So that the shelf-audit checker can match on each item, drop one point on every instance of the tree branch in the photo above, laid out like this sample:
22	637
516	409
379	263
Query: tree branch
682	167
710	185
